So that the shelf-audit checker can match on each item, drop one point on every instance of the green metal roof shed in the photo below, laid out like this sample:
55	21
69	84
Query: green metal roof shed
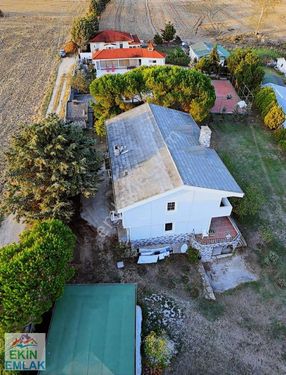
92	331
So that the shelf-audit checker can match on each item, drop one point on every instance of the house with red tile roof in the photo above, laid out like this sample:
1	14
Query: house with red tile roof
108	39
120	60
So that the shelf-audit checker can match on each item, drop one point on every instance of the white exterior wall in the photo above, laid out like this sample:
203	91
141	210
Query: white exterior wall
281	65
144	62
103	45
192	54
194	210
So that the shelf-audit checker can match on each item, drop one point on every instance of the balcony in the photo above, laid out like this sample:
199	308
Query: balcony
225	208
222	229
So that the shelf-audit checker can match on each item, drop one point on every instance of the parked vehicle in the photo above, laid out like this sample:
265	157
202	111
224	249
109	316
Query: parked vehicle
62	53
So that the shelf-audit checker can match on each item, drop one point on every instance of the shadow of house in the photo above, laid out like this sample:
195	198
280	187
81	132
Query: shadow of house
79	109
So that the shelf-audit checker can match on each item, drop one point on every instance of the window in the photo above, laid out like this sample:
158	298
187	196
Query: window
168	227
171	206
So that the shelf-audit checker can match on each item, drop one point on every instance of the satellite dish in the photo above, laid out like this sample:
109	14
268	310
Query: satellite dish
184	248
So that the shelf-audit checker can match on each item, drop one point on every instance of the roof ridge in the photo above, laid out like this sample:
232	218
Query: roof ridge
166	145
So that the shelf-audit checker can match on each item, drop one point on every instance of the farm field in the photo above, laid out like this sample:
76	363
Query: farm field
146	17
31	34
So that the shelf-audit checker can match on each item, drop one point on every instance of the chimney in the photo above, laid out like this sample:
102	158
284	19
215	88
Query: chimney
150	46
205	136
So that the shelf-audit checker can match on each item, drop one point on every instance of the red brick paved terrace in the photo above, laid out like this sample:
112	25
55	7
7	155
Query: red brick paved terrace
223	89
221	229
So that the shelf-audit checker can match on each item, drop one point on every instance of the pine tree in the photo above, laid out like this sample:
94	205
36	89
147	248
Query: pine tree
48	165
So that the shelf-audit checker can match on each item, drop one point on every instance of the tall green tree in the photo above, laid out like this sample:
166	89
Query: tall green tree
169	32
48	165
246	66
33	273
209	64
158	39
170	86
83	29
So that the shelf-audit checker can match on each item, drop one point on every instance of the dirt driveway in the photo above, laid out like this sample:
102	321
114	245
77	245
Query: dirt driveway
61	85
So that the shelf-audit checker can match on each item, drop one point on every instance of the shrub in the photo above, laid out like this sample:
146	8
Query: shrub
158	355
158	39
70	48
193	255
271	258
177	57
275	117
280	134
79	82
1	13
265	99
249	206
33	273
282	145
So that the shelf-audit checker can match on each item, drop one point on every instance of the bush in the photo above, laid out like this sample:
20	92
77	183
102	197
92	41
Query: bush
282	145
1	13
280	134
246	66
249	206
271	258
70	48
193	255
274	118
158	39
158	355
177	57
33	273
81	80
265	99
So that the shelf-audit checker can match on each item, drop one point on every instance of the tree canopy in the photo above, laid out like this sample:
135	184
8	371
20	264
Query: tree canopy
169	32
177	57
209	64
246	66
48	164
170	86
33	273
83	29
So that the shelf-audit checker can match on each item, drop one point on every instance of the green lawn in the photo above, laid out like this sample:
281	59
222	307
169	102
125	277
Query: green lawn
272	76
271	53
256	158
251	153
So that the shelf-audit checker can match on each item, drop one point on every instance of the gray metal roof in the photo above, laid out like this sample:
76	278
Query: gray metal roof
202	49
160	151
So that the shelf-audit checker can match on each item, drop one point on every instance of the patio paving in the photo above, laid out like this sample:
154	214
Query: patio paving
221	229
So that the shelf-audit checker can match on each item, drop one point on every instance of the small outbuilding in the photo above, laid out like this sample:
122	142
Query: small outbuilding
202	49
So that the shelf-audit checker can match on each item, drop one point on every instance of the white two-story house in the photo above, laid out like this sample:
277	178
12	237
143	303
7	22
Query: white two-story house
167	181
108	39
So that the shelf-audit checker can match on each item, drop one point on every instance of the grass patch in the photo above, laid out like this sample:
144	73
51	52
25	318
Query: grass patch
41	113
270	53
277	329
252	155
211	310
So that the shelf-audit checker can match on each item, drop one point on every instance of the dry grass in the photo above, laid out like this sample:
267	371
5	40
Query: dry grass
145	17
31	33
